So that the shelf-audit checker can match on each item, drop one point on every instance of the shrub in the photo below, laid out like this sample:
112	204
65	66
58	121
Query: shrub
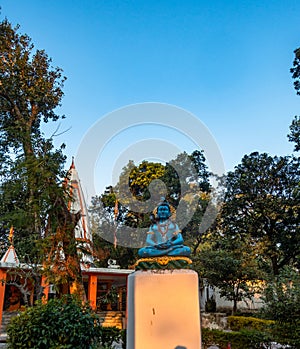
60	324
282	299
109	335
243	339
287	333
237	323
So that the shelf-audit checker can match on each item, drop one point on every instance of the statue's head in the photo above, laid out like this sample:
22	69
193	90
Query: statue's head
163	210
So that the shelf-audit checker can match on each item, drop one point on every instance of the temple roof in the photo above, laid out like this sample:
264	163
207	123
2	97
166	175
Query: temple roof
76	204
10	257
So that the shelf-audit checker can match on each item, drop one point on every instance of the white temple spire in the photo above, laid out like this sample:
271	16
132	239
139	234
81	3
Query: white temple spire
77	203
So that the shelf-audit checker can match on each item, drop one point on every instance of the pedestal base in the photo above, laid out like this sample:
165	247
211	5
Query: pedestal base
163	262
163	310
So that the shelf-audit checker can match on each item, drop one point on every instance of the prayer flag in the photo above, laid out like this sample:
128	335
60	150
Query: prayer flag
11	235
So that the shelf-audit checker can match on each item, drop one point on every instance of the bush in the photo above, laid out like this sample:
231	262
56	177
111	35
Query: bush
109	335
237	323
238	340
282	299
287	333
60	324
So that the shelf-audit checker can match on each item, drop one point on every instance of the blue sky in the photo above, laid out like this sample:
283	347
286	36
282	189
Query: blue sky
226	62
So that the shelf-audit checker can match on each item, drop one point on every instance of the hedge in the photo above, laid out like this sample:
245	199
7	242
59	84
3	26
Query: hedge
237	323
238	340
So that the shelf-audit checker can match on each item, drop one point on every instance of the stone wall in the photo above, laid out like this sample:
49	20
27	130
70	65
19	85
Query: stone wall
214	321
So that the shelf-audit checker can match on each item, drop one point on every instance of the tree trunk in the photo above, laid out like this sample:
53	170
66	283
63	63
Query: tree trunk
275	266
234	309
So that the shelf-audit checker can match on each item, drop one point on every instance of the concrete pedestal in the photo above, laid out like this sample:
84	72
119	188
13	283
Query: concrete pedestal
163	310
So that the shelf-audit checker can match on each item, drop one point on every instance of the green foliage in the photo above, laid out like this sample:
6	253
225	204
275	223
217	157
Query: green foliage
184	179
237	323
124	338
141	176
294	135
184	172
109	335
282	296
287	333
30	167
238	340
229	268
258	231
262	207
32	197
250	332
116	212
210	305
60	324
295	70
282	299
111	296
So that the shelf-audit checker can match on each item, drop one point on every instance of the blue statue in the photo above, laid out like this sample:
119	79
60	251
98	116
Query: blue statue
164	237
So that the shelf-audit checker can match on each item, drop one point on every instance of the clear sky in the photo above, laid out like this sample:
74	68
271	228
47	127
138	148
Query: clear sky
226	62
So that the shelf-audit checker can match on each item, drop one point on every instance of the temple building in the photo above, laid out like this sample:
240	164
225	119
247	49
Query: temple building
106	288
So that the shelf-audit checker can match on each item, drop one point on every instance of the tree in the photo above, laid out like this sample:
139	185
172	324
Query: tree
262	206
29	93
107	231
184	181
188	181
115	215
231	269
31	195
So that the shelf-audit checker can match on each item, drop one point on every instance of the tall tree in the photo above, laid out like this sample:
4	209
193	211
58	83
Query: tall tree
32	198
262	205
231	268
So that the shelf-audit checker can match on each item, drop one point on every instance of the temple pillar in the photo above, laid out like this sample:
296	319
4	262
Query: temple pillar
92	291
2	293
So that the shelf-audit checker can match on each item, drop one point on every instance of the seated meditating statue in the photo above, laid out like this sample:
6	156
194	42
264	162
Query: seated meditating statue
164	237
